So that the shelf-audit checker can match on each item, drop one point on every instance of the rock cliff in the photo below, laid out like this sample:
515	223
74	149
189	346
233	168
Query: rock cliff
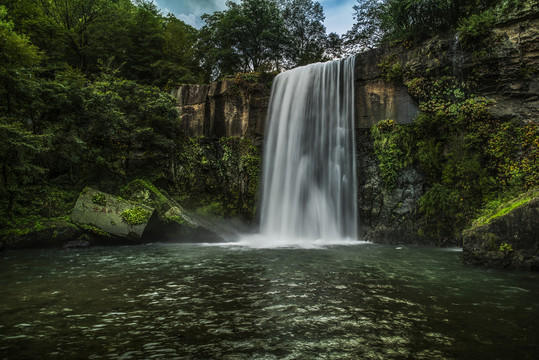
222	109
505	73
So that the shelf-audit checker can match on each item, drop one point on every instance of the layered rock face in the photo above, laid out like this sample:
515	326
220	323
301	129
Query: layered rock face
376	98
225	108
222	109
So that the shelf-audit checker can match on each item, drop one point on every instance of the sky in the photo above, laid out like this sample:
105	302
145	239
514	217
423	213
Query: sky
338	12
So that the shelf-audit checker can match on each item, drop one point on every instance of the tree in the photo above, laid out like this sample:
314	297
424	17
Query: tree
246	37
18	151
145	32
387	21
18	57
76	22
179	63
304	20
18	146
76	32
366	33
334	46
125	123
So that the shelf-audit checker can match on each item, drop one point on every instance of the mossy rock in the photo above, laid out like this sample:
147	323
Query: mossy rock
118	219
144	192
507	237
176	222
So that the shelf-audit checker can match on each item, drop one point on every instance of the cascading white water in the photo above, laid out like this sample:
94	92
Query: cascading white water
309	173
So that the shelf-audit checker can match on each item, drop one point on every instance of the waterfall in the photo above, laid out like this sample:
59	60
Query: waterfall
309	171
457	58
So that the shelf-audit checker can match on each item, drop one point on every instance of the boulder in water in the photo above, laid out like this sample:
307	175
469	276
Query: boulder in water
76	244
176	224
113	217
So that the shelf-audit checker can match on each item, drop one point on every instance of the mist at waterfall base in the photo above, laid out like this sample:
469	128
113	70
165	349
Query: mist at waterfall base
309	174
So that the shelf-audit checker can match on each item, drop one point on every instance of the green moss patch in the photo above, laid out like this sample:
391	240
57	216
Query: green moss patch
498	208
136	216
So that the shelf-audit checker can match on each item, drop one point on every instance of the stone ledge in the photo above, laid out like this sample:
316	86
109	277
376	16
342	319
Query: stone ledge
506	241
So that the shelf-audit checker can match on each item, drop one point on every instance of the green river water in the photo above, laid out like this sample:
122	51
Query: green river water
189	301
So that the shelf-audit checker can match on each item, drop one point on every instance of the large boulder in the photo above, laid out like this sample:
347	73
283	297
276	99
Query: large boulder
113	217
176	224
509	238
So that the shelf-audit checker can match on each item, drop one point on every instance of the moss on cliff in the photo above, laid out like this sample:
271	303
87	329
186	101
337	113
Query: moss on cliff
222	171
468	156
500	207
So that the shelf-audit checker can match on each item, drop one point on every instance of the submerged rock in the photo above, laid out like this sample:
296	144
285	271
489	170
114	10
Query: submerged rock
113	217
42	234
509	238
76	244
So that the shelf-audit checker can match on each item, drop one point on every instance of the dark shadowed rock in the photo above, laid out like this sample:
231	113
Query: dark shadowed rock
76	244
43	234
510	240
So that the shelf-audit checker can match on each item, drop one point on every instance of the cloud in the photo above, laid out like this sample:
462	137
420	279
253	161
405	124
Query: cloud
190	19
190	11
339	15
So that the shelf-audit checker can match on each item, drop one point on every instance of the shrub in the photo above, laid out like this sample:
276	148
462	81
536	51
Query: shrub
476	27
393	147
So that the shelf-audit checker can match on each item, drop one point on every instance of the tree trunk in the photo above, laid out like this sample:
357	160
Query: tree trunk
9	210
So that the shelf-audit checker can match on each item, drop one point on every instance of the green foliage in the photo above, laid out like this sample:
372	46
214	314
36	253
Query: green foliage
390	21
503	204
94	230
248	36
390	68
513	150
224	171
136	216
18	159
476	27
465	154
133	38
99	199
506	248
392	146
442	208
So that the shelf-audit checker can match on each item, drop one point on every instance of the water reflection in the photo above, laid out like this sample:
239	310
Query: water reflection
231	302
